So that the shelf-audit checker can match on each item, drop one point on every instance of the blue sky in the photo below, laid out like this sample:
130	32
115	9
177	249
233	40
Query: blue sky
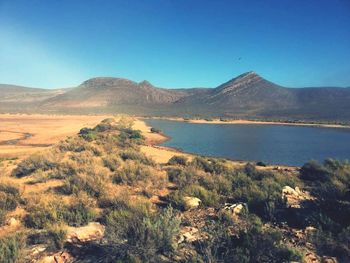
174	43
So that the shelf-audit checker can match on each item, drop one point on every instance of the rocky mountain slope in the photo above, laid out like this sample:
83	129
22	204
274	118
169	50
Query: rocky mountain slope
246	96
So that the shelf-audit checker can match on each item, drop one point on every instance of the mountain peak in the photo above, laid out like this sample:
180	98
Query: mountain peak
145	83
241	80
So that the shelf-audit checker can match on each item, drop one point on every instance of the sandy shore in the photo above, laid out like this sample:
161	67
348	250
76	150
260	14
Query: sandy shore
249	122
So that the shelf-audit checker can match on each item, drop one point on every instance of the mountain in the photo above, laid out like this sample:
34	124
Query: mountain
246	96
17	98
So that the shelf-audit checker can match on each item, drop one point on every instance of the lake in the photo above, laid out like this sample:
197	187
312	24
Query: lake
274	144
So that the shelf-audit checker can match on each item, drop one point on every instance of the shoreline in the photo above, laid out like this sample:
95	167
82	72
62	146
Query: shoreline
251	122
155	144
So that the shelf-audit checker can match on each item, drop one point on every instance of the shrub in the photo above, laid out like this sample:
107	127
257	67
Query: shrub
208	198
88	134
41	216
9	197
32	164
78	214
182	177
155	130
252	244
176	199
146	235
209	165
57	235
178	160
314	171
111	162
136	156
10	248
260	163
2	217
132	173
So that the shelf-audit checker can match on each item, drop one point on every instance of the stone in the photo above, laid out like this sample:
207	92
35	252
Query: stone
93	231
191	202
235	209
13	222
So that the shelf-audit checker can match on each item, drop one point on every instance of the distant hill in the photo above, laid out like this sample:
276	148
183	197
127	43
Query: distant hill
246	96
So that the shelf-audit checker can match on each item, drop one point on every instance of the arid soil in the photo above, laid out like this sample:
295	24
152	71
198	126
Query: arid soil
21	134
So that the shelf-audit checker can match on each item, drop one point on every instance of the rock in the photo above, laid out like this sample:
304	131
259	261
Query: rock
293	197
235	209
329	260
37	250
13	222
188	235
60	257
93	231
310	230
191	202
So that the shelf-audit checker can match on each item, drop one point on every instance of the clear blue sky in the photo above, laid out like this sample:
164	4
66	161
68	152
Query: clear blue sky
174	43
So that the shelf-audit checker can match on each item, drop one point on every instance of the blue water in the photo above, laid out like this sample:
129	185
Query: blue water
274	144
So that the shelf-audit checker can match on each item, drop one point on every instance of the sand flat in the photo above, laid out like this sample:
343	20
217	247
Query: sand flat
45	130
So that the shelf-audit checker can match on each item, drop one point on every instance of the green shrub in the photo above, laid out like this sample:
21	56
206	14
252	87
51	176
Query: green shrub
111	162
155	130
40	217
132	173
78	214
182	177
2	217
208	198
178	160
10	248
92	185
57	235
314	171
9	197
209	165
260	163
88	134
176	199
252	244
32	164
135	156
145	235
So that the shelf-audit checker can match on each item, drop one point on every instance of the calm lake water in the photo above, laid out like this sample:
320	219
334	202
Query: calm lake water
274	144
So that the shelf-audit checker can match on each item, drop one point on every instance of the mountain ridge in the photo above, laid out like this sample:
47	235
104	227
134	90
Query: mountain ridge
246	96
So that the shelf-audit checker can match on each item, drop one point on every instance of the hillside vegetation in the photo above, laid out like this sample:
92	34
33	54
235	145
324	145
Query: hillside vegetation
95	197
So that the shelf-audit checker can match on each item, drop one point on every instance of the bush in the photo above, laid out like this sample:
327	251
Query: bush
146	235
57	235
78	214
314	171
182	177
32	164
93	184
10	248
208	198
9	197
43	216
252	244
178	160
209	165
111	162
132	173
155	130
135	156
260	163
88	134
